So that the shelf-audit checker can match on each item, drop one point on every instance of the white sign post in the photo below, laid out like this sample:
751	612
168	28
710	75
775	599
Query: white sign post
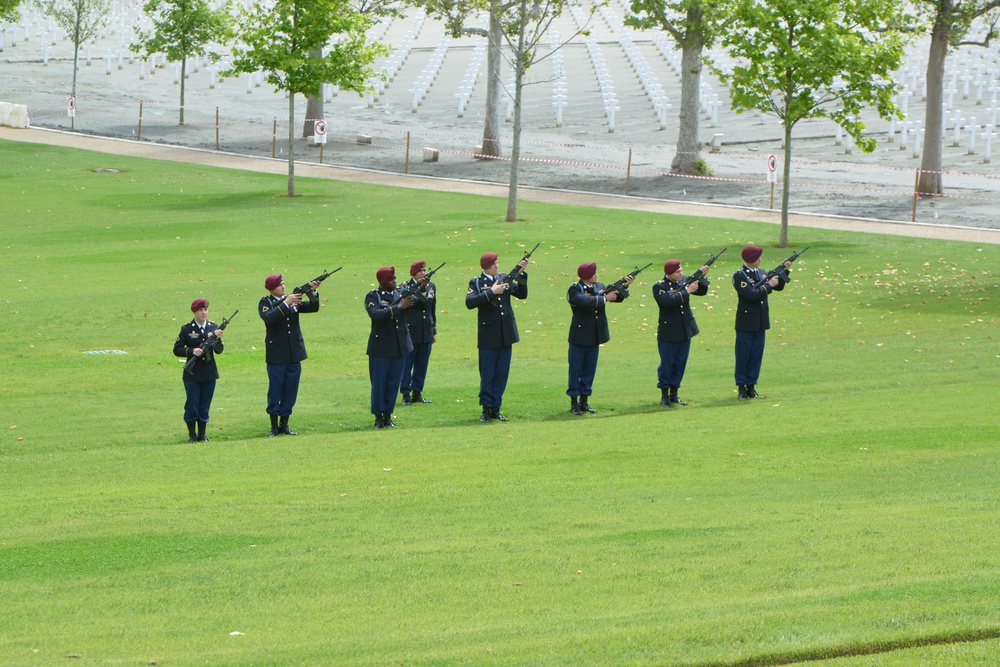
71	111
319	136
772	174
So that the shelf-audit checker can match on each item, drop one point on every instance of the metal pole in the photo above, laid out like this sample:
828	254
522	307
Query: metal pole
274	136
321	153
216	128
407	169
139	133
772	195
628	172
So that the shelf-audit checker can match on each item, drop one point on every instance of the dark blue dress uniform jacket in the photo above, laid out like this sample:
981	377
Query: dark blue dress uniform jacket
497	326
752	313
421	317
283	339
390	337
190	338
676	319
589	326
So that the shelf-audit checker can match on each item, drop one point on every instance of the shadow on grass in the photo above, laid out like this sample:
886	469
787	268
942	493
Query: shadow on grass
874	647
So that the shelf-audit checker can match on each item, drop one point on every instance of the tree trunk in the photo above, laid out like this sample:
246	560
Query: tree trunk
786	175
515	150
930	163
291	144
494	88
688	137
183	72
76	50
314	105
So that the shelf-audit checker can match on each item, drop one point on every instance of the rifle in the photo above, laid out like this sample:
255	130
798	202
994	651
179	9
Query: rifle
620	284
779	269
413	288
698	275
302	289
209	343
517	267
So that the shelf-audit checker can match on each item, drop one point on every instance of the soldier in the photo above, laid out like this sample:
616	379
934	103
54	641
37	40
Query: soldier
421	320
587	332
753	318
199	384
388	344
490	293
285	347
677	327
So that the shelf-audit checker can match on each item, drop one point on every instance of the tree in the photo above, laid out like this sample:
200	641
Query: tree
284	39
456	15
8	10
314	103
182	29
952	21
813	59
81	19
523	28
694	25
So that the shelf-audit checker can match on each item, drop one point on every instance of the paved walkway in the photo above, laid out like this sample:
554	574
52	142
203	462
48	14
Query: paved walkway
279	166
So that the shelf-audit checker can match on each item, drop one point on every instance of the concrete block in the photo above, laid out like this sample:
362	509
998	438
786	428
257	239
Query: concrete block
431	154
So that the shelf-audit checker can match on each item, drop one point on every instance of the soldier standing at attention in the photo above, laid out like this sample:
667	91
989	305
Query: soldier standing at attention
677	327
285	347
587	332
490	293
421	320
199	385
388	344
753	318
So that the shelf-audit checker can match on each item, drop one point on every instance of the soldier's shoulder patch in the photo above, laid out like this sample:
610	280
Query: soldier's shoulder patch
472	290
743	283
264	309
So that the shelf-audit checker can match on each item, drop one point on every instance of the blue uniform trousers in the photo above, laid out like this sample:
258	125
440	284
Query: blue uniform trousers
749	355
199	400
384	375
415	369
494	369
582	368
283	388
673	361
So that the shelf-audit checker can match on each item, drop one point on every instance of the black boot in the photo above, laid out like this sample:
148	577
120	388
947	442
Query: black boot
673	397
283	427
495	414
406	399
192	436
419	398
201	432
379	421
574	406
485	417
387	420
665	398
752	393
274	426
585	405
744	396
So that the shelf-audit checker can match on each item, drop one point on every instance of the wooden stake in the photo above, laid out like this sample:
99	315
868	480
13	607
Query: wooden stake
916	196
216	128
628	172
138	134
407	169
274	137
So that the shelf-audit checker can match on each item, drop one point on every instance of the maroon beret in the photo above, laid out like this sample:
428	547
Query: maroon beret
197	304
385	274
671	266
488	260
752	253
417	266
587	271
272	281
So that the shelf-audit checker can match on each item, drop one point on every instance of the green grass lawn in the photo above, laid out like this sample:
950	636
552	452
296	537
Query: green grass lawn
854	512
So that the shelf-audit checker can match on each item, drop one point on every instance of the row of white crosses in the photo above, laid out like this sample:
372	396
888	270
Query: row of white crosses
429	74
560	93
471	76
647	78
609	98
397	57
